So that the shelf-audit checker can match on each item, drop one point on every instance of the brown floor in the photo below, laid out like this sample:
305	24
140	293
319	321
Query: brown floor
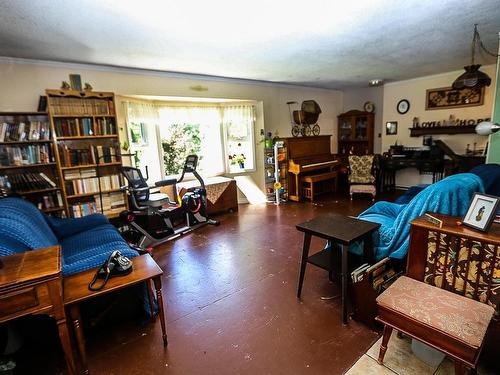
231	307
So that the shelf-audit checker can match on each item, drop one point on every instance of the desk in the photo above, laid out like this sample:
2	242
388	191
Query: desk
76	291
31	283
389	166
336	229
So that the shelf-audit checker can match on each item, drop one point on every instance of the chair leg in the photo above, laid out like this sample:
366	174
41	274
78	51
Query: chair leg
383	347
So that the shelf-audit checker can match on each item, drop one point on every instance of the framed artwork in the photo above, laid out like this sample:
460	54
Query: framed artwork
76	82
391	127
138	135
481	211
447	97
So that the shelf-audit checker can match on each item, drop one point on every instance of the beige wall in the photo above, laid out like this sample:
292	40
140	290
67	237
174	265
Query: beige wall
23	81
356	98
414	90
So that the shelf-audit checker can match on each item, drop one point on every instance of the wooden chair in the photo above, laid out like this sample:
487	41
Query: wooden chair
361	175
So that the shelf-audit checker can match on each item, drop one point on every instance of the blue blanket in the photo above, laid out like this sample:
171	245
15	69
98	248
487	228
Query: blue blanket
450	196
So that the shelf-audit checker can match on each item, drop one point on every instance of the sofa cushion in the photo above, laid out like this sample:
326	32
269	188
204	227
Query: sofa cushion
22	227
89	249
459	317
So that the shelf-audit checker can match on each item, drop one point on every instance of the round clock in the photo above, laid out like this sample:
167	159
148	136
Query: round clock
369	107
403	106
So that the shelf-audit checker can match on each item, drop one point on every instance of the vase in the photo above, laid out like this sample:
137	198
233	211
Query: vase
242	165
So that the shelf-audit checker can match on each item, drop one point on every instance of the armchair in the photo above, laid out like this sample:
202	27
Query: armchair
362	175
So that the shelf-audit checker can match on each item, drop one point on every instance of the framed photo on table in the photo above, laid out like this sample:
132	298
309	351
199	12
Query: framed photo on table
481	211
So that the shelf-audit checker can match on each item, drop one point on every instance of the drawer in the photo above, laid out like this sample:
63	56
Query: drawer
23	301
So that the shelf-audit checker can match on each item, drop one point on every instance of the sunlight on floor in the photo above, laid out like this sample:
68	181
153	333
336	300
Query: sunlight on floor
250	189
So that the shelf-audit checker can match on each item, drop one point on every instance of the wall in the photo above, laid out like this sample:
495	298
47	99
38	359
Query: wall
23	81
414	90
494	139
356	98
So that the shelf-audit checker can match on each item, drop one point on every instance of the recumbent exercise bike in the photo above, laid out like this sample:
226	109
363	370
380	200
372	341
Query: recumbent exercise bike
154	218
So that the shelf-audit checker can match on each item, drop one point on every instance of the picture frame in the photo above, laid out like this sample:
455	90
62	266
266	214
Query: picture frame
447	97
75	82
391	128
481	211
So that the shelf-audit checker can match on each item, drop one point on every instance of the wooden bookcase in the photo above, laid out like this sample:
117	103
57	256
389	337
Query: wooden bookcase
355	133
87	151
28	160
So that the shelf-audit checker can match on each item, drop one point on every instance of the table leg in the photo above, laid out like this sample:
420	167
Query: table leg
151	300
331	273
62	328
74	312
303	262
345	271
161	313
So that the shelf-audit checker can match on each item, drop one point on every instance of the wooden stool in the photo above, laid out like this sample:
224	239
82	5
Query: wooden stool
310	187
363	189
448	322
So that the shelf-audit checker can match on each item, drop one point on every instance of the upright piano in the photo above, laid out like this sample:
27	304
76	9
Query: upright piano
307	156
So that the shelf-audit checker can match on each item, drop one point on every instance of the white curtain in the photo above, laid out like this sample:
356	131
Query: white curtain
238	123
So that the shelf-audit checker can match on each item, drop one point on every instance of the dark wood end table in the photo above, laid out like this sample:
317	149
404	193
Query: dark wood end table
336	229
76	291
31	283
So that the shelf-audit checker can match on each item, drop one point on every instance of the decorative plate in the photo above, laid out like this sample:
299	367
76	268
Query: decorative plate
403	106
369	107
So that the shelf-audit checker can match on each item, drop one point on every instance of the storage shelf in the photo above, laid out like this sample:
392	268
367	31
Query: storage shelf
466	129
86	137
53	209
38	191
91	166
89	194
24	142
25	166
23	113
82	116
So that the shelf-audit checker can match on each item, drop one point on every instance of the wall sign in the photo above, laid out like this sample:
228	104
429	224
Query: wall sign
446	97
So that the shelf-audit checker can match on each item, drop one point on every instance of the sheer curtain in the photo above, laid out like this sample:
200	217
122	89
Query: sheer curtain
142	124
238	123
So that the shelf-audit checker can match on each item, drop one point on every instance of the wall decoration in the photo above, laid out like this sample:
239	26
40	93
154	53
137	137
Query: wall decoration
447	97
481	211
403	106
391	127
369	107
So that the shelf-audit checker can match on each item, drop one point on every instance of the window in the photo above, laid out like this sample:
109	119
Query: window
222	137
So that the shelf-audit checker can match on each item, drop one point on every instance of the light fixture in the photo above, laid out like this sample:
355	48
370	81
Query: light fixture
487	128
473	77
375	82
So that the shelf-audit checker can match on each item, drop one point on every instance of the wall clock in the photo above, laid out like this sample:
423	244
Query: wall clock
403	106
369	107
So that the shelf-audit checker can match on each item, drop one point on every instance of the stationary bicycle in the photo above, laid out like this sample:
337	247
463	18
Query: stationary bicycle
154	218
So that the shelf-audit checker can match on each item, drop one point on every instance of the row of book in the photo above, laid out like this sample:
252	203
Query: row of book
48	201
91	185
29	131
93	154
84	107
25	154
28	181
72	127
112	203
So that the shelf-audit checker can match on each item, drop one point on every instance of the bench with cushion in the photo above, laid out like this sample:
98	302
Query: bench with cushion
319	183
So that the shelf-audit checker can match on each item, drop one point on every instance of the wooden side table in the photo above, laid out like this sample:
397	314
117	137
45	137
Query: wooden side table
76	291
336	229
31	283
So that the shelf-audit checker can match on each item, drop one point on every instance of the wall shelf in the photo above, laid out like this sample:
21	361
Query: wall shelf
466	129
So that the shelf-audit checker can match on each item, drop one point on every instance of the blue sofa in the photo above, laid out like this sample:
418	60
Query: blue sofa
85	242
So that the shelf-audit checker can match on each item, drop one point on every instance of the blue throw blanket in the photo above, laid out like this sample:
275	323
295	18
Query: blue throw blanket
450	196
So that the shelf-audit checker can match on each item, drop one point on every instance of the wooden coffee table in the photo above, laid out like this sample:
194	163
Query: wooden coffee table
336	229
76	291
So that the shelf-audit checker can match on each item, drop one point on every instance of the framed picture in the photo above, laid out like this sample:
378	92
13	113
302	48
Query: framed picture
138	135
76	82
481	211
447	97
391	127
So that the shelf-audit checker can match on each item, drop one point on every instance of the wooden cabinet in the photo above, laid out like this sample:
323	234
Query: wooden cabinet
87	151
27	160
355	133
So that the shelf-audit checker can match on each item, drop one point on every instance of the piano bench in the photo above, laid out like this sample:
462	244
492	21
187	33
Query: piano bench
316	184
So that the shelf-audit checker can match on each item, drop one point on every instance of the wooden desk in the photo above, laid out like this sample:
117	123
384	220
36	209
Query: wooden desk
31	283
338	229
76	291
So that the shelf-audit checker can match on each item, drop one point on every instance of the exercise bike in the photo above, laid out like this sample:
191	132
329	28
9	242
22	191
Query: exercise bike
154	218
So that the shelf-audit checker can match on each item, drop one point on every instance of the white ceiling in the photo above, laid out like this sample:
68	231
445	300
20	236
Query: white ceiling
330	44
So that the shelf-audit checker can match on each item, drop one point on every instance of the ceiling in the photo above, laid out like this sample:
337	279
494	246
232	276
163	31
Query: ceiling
327	44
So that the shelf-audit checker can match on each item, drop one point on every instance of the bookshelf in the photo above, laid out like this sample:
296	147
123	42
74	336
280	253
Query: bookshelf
27	160
87	151
276	170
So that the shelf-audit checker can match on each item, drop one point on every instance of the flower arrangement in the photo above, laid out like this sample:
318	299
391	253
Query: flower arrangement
270	139
237	159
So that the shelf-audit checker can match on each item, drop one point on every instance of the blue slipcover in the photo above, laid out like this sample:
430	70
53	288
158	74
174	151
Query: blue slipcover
450	196
85	242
